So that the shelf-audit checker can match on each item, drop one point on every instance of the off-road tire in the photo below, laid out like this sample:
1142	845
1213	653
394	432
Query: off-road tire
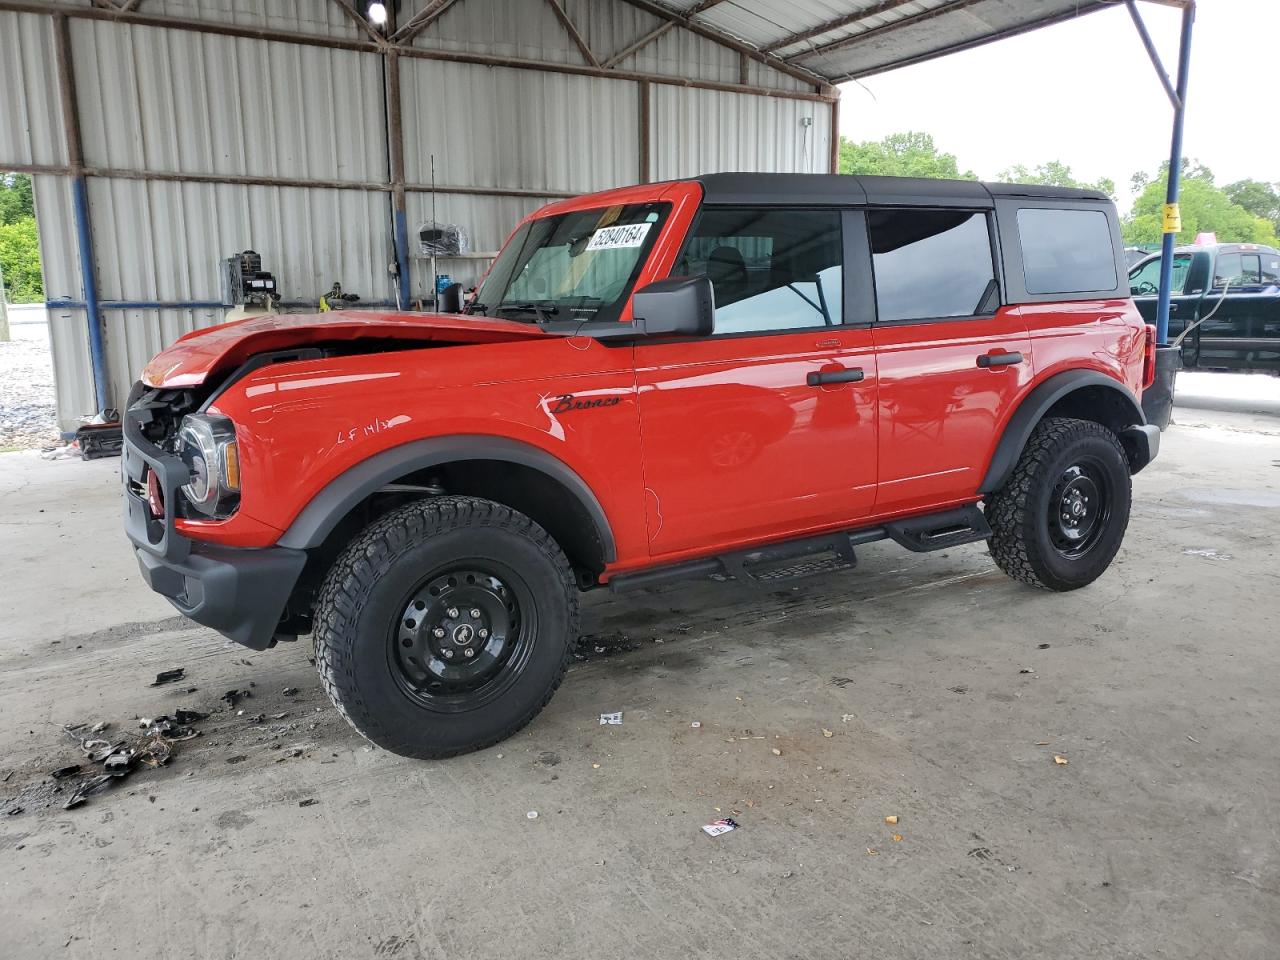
359	611
1020	512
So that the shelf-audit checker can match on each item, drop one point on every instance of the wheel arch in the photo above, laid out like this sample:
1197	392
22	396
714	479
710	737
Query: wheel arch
1081	394
516	474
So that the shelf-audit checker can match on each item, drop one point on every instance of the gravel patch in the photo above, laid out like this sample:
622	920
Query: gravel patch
28	415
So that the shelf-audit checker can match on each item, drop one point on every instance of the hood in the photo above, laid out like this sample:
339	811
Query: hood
201	353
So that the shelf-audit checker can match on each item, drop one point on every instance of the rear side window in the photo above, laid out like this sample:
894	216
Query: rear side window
1066	251
1228	269
772	269
1251	268
1270	268
930	264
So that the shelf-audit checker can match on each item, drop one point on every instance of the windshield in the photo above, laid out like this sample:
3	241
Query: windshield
573	266
1144	279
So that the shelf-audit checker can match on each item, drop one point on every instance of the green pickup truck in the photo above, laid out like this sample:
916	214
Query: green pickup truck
1229	296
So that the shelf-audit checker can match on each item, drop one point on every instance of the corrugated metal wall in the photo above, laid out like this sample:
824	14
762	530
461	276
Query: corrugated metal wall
179	102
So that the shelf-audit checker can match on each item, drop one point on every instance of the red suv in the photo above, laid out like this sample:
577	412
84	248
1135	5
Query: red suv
707	376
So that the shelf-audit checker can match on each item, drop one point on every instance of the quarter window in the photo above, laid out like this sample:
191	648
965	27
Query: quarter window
1066	251
931	263
771	269
1251	268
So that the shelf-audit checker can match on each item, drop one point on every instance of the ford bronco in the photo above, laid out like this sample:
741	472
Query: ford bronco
722	375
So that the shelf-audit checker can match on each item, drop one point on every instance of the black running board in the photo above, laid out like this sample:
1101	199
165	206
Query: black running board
919	534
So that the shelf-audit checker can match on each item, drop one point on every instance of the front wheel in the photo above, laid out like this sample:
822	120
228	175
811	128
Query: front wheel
1059	520
445	626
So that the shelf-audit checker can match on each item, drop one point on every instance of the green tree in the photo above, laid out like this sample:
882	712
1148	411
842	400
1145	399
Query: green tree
907	154
1205	208
16	202
20	261
1259	198
1055	173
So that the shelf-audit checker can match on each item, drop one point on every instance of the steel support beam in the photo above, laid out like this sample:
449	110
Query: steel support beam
835	137
645	126
421	20
80	205
1178	97
823	95
953	7
573	33
395	155
710	33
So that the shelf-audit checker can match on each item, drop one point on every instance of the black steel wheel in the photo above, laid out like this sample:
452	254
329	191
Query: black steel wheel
446	626
1060	518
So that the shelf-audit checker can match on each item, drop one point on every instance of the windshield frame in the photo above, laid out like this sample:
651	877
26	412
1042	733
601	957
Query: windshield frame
514	259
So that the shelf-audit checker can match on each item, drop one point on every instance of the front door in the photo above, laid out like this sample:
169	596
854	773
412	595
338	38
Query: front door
951	361
766	429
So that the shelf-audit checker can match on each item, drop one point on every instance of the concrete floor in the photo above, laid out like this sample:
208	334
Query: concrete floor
947	689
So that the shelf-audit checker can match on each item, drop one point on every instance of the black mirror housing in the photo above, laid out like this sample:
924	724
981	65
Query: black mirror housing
675	307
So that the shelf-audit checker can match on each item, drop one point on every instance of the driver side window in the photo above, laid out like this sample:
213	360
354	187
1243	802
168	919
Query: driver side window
771	269
1145	280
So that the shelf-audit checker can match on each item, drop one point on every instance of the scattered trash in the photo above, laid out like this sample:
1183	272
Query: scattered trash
848	716
696	724
897	838
1024	670
1192	739
97	750
716	827
595	766
827	733
840	681
232	697
289	691
238	758
119	763
156	753
959	689
63	772
611	719
1208	553
1059	759
168	676
788	874
185	717
891	820
88	789
309	802
14	811
99	726
776	752
872	852
1042	646
532	815
1042	743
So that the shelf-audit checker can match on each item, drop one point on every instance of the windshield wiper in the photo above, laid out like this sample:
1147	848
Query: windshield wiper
540	310
474	307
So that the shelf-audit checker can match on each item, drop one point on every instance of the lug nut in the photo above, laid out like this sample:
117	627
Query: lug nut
452	612
438	632
448	654
468	653
475	613
482	633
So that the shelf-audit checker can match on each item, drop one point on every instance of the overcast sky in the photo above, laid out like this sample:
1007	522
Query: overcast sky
1084	92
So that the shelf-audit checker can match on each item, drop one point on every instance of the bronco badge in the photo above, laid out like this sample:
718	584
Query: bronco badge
567	401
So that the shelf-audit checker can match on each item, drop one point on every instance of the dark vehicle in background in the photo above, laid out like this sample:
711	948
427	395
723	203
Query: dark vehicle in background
1228	294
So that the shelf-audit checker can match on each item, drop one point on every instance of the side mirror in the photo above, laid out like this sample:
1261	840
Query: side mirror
675	307
450	299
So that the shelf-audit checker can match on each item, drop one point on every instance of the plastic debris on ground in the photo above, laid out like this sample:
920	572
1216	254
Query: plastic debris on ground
309	802
532	815
611	719
891	820
168	676
1060	760
717	827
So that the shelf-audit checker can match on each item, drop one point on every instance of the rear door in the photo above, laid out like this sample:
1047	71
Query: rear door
951	361
766	429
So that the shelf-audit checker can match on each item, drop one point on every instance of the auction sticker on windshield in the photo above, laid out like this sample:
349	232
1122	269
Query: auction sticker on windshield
619	238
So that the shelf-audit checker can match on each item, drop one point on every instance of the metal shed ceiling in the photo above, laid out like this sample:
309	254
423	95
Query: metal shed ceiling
839	40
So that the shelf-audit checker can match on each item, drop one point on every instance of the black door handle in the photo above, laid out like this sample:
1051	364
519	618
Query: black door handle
999	359
822	377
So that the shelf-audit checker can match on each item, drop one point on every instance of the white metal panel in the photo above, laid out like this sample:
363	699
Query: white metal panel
298	16
707	131
176	101
30	111
500	127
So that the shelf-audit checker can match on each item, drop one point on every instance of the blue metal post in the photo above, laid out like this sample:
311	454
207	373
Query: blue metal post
89	279
1175	176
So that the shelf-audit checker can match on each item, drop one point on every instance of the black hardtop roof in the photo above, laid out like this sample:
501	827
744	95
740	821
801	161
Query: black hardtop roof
830	188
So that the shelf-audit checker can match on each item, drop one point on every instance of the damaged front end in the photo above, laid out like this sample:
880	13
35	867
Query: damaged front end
174	466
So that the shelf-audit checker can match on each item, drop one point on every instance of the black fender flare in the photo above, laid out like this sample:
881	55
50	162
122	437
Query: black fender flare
1033	408
318	519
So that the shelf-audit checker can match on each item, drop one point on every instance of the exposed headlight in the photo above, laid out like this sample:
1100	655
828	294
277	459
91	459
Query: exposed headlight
207	446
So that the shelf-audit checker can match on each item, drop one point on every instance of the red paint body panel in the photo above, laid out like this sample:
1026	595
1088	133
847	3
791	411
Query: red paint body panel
714	444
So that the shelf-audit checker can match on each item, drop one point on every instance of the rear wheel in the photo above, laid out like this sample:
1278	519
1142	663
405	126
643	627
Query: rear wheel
1059	520
445	626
